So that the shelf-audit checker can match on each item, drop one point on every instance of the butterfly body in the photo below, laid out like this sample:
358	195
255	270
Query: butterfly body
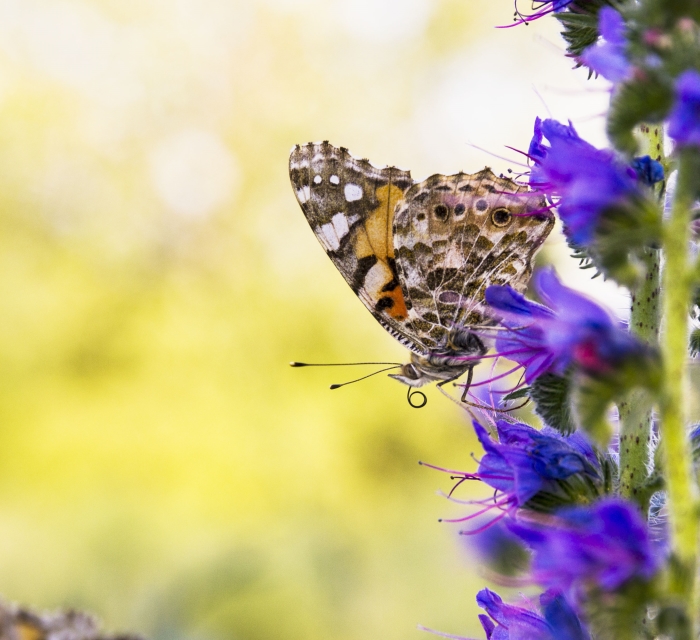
420	254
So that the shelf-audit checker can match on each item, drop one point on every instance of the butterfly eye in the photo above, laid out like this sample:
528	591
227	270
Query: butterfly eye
441	212
501	217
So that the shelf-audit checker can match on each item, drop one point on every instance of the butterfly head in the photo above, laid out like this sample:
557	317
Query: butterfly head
445	364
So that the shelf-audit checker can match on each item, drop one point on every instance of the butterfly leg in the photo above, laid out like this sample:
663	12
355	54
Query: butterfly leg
470	376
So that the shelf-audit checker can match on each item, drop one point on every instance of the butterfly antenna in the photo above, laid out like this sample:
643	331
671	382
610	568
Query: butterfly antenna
392	365
339	364
369	375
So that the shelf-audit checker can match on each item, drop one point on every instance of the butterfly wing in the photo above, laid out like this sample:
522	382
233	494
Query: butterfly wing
456	235
350	206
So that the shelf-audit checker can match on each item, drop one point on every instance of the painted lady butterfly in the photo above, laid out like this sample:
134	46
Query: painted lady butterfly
420	254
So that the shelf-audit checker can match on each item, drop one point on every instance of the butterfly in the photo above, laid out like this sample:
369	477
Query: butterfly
420	255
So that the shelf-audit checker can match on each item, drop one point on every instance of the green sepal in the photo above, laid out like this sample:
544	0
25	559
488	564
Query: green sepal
622	234
591	399
523	392
580	24
511	559
648	99
672	622
621	614
611	471
552	397
579	30
593	395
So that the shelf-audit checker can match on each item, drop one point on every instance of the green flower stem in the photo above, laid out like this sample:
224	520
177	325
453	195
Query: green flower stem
674	346
636	409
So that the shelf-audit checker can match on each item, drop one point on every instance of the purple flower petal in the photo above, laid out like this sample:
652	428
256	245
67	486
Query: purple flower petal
508	622
571	329
585	180
525	461
684	119
605	545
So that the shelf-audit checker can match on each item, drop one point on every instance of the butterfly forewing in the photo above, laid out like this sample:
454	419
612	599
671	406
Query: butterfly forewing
350	206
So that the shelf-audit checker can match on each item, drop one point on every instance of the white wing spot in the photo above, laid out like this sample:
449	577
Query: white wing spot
340	224
334	180
327	232
303	194
353	192
318	179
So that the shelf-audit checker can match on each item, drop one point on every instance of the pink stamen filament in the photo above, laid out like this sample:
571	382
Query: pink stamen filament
459	474
469	517
486	526
498	377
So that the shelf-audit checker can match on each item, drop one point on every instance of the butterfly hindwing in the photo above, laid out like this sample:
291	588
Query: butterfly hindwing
350	206
456	235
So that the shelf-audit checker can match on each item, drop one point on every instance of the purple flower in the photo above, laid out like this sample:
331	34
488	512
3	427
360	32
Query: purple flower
586	180
526	461
540	469
648	171
608	58
684	119
507	622
570	329
603	546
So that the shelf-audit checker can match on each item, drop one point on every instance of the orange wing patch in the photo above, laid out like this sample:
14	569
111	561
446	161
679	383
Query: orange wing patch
381	282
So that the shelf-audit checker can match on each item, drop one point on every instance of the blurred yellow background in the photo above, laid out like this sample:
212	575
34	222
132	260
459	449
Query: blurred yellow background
162	466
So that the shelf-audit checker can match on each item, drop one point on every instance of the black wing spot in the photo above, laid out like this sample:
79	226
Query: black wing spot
384	303
361	271
459	209
482	205
501	217
441	212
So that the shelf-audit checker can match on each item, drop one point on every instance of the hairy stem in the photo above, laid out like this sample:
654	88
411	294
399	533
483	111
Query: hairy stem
674	345
636	409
